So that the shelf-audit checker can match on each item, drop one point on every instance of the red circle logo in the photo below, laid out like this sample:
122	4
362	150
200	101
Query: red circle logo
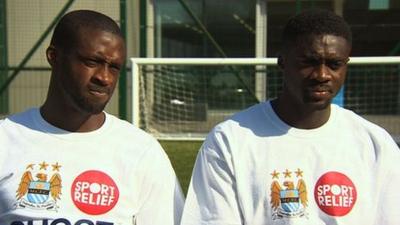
335	194
94	192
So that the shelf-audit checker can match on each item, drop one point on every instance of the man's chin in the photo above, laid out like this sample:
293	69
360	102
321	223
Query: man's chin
92	109
95	109
319	104
87	105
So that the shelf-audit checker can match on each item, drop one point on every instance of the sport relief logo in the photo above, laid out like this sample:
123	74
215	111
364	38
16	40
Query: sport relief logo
289	201
94	192
36	191
335	194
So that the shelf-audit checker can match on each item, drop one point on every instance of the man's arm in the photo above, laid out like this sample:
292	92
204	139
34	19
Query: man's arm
212	196
388	208
163	199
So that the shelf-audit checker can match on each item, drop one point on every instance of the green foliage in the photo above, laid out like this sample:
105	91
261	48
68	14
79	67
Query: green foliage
182	155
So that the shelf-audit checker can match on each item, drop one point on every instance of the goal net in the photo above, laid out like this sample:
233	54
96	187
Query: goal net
184	98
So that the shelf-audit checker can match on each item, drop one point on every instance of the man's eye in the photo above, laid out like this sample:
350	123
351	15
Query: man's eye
90	62
335	64
309	62
115	68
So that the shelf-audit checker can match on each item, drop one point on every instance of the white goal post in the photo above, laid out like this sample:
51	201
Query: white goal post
158	69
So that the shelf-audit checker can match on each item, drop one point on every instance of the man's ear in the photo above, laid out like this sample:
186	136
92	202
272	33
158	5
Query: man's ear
51	55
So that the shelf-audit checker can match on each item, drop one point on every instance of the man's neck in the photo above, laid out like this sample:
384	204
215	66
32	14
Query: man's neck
302	118
72	120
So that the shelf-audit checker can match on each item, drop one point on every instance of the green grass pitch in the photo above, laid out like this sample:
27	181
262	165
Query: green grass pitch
182	155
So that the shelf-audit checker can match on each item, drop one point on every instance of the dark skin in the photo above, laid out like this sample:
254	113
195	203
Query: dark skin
83	80
314	69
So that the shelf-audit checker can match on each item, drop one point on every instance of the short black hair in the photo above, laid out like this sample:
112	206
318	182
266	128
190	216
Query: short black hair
68	29
315	22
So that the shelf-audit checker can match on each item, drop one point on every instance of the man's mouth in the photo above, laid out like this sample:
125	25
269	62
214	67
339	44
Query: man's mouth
99	91
320	92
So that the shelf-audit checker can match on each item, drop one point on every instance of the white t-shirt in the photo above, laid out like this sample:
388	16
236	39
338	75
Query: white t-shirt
254	169
116	174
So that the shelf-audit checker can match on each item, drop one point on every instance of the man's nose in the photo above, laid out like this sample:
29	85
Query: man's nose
322	73
103	75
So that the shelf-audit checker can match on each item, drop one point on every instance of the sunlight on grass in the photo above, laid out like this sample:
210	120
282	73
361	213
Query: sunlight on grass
182	155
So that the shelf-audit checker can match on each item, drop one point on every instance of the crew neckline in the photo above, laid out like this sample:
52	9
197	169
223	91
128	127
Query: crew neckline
49	129
303	133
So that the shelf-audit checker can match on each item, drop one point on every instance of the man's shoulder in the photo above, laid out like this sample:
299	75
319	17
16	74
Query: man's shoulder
249	115
21	118
363	124
249	120
358	120
125	129
132	137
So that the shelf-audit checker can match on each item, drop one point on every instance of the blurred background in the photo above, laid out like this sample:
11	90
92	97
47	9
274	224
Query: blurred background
179	28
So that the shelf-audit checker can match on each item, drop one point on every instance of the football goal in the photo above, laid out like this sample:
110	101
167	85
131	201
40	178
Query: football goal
183	98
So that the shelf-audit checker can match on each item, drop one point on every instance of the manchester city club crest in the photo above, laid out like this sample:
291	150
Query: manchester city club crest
39	192
289	201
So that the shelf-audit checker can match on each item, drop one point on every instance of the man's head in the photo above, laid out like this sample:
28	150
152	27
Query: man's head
68	30
314	22
86	54
314	56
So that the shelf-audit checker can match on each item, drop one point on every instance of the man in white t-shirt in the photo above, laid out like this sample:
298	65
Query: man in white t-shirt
297	159
69	162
